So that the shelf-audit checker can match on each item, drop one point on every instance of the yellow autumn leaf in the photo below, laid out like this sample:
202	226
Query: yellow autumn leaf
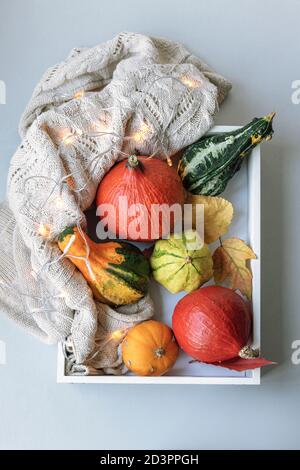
230	262
218	213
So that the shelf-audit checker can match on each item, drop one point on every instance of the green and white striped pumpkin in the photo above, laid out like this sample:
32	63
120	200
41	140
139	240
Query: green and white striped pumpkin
181	263
207	166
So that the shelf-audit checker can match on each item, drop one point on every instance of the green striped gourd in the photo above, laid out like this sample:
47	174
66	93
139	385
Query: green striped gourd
183	263
207	166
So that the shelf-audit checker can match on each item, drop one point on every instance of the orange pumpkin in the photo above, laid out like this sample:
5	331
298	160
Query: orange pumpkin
134	189
150	348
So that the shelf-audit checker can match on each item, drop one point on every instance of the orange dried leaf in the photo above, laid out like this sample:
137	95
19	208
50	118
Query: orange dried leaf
230	262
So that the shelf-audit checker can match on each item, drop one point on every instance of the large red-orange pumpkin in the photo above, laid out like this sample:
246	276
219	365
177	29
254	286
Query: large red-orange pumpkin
212	324
132	188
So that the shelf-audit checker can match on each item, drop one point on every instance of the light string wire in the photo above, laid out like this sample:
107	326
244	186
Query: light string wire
189	84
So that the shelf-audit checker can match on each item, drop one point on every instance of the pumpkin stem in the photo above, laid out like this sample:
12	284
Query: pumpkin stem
159	352
133	162
269	116
248	353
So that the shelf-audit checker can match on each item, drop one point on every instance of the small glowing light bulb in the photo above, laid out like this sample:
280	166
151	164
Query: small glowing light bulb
169	161
117	335
79	94
190	81
69	139
44	230
141	134
68	136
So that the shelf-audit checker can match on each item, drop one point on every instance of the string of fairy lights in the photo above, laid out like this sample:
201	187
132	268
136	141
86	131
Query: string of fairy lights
69	137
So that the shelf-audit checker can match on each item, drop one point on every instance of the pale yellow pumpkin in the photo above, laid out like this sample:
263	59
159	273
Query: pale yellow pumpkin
181	263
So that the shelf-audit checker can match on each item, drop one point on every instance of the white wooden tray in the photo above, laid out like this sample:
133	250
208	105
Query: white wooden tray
244	192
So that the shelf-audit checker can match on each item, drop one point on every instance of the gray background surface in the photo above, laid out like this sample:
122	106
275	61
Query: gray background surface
256	45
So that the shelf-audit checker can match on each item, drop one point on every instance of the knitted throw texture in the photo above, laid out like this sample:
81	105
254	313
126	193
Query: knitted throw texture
129	82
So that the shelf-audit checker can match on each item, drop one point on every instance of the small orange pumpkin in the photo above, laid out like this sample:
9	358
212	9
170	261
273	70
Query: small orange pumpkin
150	348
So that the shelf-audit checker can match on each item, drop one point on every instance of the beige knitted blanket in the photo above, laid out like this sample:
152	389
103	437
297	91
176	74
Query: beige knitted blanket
131	94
